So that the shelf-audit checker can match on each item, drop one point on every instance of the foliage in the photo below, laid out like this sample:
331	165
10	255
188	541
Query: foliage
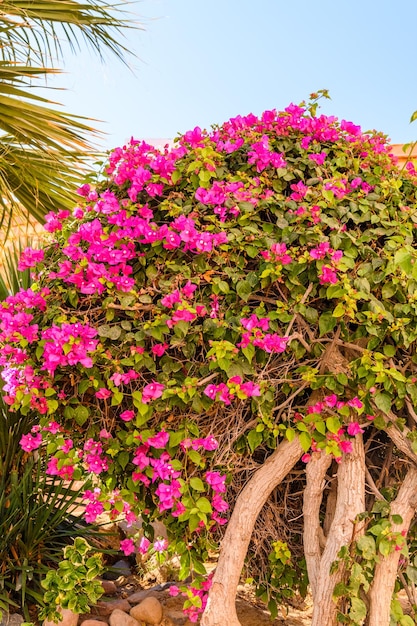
44	151
254	283
74	584
36	518
11	280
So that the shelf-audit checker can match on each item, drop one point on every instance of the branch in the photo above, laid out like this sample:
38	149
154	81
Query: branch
313	495
399	437
303	299
382	587
221	607
372	486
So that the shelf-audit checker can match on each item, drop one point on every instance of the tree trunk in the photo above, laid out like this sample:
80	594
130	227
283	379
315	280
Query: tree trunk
313	495
382	588
350	502
221	605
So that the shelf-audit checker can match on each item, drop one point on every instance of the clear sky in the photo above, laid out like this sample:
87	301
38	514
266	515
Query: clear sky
202	62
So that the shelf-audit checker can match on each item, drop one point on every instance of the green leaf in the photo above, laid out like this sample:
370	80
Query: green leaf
290	434
403	258
203	505
110	332
383	402
244	290
197	484
333	424
194	456
254	439
339	311
123	458
385	547
397	519
326	323
366	544
305	440
81	414
358	610
249	352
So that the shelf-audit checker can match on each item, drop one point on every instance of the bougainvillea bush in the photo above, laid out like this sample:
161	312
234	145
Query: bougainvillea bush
225	330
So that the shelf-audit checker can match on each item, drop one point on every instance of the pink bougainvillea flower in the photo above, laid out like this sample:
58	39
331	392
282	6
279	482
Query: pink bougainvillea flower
327	275
219	504
330	401
127	546
29	442
216	481
346	446
355	402
92	511
354	429
210	391
29	258
127	416
159	348
160	545
144	544
103	393
188	290
53	428
67	446
152	391
159	440
250	389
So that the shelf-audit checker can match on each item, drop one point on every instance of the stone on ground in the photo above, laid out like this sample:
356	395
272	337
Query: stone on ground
120	618
149	611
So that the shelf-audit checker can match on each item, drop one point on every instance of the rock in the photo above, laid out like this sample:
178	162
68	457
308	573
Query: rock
120	618
109	587
149	611
93	622
11	620
104	607
120	568
68	619
174	618
139	596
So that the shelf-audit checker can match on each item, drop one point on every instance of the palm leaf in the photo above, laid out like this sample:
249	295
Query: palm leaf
11	279
43	151
35	29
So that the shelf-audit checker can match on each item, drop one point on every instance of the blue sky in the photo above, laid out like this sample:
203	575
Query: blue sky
200	63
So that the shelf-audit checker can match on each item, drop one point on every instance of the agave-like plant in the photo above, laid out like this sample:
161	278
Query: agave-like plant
11	279
44	151
37	519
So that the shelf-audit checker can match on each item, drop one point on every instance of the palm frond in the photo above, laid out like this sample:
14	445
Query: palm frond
36	29
11	279
43	151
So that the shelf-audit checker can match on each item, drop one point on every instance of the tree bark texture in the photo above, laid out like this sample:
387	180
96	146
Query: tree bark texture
382	588
313	495
221	605
350	502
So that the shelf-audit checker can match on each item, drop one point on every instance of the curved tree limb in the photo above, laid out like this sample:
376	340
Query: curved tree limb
382	588
350	502
313	496
221	607
399	437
